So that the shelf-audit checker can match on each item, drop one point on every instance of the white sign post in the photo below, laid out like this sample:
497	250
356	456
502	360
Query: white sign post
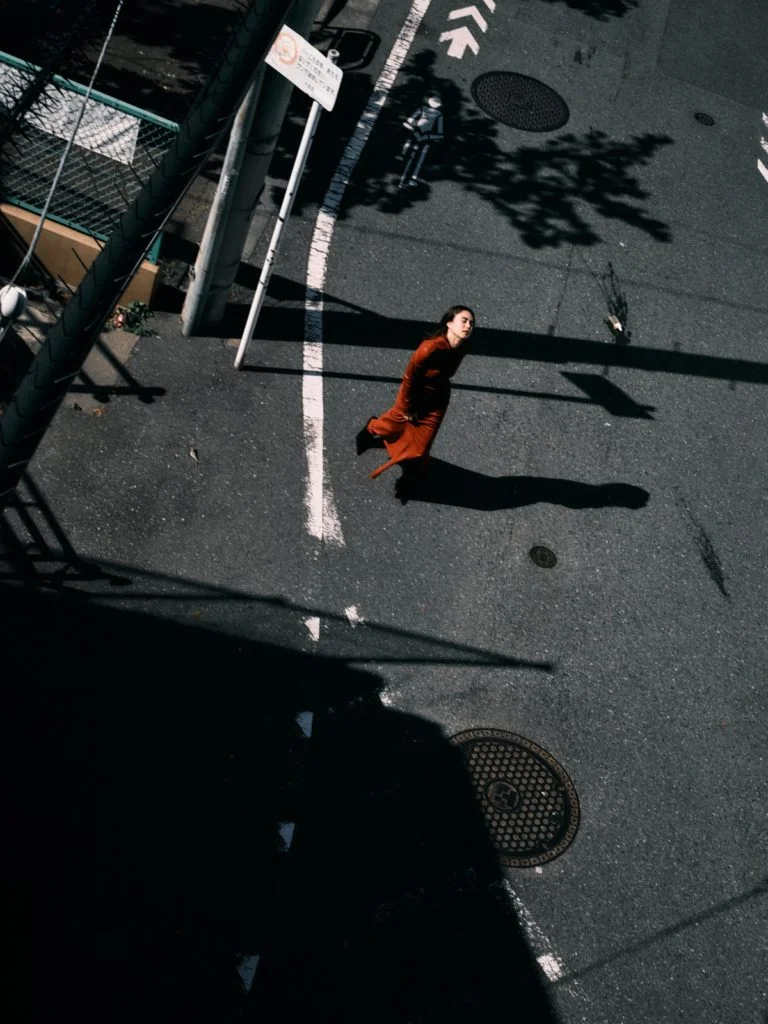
318	76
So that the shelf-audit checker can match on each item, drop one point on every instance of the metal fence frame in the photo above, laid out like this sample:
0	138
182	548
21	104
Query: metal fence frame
68	86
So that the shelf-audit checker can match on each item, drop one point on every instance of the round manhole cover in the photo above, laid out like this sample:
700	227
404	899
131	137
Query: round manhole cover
528	801
543	557
520	101
703	118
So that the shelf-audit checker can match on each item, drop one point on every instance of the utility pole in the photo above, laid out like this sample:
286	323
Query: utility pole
249	154
70	340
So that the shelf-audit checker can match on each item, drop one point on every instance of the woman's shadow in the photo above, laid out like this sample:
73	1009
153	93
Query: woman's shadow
447	484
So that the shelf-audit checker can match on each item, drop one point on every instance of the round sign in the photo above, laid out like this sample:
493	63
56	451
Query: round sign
286	48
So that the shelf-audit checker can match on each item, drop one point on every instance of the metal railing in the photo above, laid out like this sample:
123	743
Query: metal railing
116	148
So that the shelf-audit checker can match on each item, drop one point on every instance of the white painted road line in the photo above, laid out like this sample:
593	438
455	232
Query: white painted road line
469	12
550	963
322	520
286	833
354	618
313	625
304	721
461	39
247	971
763	169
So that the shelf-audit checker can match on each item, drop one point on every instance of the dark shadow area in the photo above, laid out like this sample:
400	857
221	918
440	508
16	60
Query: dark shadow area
602	392
35	549
16	357
367	329
610	396
600	10
15	360
544	191
149	766
158	58
447	484
105	392
356	48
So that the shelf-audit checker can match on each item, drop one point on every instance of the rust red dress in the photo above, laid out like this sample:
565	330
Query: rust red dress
425	392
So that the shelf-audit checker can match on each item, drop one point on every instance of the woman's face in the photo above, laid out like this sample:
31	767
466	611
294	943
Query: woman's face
460	328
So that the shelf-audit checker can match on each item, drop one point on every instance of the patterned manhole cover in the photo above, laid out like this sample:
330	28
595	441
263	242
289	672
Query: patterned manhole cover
528	801
545	558
520	101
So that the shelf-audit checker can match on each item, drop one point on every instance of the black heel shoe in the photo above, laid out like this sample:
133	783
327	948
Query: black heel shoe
365	439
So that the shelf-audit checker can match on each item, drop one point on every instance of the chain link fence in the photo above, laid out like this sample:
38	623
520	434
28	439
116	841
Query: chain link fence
116	148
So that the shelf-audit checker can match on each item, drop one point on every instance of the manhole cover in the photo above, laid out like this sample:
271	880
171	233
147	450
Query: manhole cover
527	799
543	557
520	101
703	118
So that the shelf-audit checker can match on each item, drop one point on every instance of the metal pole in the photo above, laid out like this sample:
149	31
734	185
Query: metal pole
193	311
70	339
227	231
285	212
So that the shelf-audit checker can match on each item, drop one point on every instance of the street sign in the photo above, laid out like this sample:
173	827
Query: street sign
304	66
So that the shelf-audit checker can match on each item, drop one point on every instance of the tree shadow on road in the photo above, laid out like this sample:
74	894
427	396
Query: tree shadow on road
545	191
149	767
600	10
448	484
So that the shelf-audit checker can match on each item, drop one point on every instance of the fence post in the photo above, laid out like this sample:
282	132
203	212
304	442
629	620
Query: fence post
70	340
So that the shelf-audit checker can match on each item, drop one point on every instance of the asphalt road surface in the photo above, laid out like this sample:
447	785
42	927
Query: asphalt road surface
238	570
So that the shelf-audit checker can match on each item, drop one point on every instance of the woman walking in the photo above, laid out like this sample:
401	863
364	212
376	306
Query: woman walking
409	428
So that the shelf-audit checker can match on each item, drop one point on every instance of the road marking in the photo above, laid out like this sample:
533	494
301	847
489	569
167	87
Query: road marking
461	38
286	833
550	963
354	618
763	169
304	721
247	970
471	12
322	519
313	625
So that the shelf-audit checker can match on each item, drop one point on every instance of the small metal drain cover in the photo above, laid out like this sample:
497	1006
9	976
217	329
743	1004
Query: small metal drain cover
703	118
520	101
543	557
528	801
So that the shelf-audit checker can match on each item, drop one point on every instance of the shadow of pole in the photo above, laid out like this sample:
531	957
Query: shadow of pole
600	10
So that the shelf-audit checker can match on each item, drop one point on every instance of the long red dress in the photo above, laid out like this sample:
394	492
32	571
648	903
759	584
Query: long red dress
425	392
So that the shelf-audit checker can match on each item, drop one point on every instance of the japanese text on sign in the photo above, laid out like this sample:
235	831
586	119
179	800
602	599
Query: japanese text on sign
304	66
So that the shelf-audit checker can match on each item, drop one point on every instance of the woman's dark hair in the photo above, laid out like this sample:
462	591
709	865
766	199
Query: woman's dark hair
446	318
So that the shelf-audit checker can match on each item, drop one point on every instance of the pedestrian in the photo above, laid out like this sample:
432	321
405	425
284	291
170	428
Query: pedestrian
408	429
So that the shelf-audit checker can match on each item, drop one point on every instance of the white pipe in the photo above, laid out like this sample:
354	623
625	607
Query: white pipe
285	212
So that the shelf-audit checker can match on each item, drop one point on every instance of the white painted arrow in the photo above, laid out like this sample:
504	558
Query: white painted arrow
469	12
461	38
490	5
